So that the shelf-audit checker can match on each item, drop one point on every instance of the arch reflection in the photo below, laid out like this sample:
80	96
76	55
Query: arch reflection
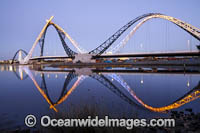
188	97
101	78
17	70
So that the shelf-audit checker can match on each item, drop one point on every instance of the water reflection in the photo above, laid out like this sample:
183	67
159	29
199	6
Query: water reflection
193	94
64	95
44	91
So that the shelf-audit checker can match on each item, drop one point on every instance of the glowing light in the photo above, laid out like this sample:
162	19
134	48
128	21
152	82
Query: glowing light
2	68
142	81
188	84
188	81
10	68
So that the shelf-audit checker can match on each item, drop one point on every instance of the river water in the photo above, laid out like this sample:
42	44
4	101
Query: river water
127	94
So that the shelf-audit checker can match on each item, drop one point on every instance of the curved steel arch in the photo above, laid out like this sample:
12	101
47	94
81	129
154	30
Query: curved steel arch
105	45
41	37
191	29
41	41
17	53
195	32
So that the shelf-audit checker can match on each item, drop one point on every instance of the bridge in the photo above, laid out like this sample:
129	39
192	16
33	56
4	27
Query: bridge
101	51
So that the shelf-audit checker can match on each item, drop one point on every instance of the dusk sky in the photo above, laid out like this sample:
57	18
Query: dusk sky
91	22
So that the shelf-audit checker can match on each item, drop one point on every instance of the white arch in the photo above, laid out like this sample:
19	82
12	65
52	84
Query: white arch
183	25
76	45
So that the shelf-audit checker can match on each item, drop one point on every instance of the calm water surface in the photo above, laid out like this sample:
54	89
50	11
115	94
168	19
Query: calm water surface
143	95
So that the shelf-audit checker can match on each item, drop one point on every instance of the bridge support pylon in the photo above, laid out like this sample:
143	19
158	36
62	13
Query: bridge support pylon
84	58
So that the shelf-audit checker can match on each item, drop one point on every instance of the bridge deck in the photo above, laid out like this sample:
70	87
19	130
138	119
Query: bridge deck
169	54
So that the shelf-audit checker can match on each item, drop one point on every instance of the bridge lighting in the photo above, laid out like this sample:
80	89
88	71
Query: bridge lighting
49	20
2	68
142	81
188	84
15	69
48	75
109	52
10	68
56	76
7	68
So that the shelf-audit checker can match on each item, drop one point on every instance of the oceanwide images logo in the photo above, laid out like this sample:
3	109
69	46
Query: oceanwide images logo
30	120
47	121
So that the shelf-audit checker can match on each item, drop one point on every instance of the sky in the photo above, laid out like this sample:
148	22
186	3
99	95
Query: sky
91	22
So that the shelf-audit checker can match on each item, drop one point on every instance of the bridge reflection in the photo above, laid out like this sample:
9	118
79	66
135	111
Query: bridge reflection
188	97
107	81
